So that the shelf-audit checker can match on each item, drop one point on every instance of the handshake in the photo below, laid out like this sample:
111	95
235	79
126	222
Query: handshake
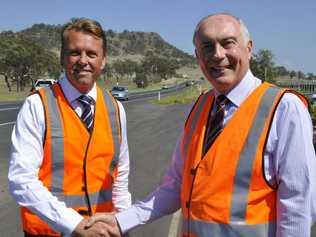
98	225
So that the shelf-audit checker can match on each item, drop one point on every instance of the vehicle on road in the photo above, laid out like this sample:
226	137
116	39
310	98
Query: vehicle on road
313	99
189	83
120	92
42	83
165	87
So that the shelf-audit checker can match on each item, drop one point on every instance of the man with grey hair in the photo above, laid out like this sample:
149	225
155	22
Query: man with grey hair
245	162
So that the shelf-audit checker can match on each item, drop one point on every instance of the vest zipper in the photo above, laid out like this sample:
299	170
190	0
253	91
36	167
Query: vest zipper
85	183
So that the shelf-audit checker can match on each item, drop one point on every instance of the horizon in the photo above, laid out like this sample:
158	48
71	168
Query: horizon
279	29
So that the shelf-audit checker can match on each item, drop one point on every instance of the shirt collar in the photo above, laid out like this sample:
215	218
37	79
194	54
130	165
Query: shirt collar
241	91
71	93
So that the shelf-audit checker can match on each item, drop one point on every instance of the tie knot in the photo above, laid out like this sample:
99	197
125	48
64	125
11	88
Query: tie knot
221	100
86	100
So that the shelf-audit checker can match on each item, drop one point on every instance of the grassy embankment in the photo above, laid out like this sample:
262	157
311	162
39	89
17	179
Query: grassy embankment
187	96
5	95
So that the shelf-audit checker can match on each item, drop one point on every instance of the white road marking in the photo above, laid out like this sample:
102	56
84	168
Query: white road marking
175	225
11	108
4	124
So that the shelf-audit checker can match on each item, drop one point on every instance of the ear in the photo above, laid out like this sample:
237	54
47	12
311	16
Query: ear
196	54
249	48
103	62
61	59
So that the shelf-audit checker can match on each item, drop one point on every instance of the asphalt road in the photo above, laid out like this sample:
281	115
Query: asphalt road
9	215
152	134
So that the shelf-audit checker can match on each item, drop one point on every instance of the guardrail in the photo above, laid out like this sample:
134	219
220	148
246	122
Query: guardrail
307	86
162	92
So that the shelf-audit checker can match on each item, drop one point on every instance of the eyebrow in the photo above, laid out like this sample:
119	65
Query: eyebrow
207	42
230	37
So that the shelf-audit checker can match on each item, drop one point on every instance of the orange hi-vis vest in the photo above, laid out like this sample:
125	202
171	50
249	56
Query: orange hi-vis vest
78	168
225	193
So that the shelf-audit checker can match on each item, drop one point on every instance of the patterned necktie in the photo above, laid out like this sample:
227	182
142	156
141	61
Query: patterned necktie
86	116
215	122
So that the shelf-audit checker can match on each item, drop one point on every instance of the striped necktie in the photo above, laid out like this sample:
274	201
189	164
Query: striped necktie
86	116
215	122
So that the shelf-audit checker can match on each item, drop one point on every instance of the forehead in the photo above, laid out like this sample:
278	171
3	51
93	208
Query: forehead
79	37
217	28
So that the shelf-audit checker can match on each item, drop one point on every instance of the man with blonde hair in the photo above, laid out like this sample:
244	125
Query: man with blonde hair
69	155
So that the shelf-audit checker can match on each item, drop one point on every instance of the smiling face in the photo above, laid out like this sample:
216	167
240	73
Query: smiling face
222	52
83	59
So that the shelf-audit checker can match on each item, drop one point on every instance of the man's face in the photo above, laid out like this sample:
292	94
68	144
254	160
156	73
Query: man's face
83	59
222	53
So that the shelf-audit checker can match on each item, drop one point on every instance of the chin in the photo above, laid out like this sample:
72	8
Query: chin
222	84
84	79
82	83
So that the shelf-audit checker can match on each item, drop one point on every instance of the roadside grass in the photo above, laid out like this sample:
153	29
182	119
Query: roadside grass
313	112
6	95
187	96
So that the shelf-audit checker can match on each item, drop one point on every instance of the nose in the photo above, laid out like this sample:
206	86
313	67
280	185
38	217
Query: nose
219	52
83	60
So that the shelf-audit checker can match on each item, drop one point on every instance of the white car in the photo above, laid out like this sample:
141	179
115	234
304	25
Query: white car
120	92
313	99
43	83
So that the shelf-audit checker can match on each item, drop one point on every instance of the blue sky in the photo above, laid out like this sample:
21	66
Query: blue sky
286	27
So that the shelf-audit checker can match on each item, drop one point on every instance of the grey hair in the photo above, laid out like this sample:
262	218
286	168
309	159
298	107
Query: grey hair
244	30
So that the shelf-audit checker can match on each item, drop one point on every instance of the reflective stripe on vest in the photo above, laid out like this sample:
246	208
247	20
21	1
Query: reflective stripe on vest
115	129
195	119
245	164
208	229
57	153
57	141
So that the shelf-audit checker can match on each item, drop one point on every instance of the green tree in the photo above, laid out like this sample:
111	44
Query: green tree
23	60
159	66
130	68
300	75
141	80
292	74
310	76
281	71
262	65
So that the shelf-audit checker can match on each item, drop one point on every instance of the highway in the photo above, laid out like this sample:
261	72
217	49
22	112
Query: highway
8	111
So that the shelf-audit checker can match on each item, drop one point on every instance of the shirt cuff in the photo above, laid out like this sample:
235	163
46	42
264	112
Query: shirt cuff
69	221
127	219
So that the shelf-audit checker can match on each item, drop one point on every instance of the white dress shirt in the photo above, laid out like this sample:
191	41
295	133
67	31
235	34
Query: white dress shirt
289	165
27	157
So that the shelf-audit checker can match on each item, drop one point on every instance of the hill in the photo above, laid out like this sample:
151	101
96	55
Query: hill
130	44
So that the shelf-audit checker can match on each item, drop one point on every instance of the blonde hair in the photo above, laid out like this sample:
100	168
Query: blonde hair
85	25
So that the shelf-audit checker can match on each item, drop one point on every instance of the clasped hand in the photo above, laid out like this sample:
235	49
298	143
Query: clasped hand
98	225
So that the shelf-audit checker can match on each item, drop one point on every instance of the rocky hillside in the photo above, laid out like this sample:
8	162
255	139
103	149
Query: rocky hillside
126	43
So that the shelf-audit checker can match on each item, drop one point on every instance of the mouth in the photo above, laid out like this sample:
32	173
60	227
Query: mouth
220	68
81	72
